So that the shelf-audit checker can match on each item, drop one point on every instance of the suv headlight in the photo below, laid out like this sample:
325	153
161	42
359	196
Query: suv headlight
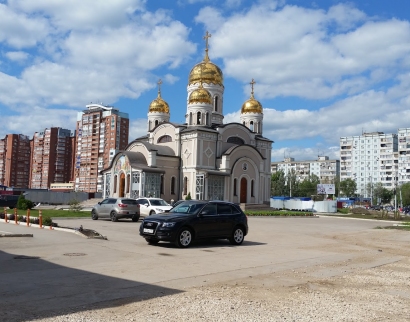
168	224
159	210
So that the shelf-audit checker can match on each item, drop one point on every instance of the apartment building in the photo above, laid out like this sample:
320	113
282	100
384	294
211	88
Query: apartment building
404	155
101	132
15	161
323	167
368	159
51	157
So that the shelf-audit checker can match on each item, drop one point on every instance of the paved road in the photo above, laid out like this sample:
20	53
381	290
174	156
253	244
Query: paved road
63	271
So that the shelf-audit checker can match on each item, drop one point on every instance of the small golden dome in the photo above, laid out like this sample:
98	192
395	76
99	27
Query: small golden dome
252	106
206	72
158	105
200	95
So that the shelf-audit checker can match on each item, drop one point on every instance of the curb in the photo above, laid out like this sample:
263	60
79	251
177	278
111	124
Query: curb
16	235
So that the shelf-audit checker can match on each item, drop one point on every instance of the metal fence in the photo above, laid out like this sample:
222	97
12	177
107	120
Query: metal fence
59	198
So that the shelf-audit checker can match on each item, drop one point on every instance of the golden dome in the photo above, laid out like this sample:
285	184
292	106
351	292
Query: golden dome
200	95
158	105
252	105
206	72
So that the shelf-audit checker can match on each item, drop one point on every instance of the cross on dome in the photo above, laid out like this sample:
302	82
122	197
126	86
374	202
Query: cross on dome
252	84
159	87
206	37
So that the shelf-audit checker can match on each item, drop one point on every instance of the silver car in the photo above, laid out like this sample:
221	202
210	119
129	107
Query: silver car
116	208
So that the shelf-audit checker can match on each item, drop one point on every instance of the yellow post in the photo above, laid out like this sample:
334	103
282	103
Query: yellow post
15	216
5	214
28	217
40	219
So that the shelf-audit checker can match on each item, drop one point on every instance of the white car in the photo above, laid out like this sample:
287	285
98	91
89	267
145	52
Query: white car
151	206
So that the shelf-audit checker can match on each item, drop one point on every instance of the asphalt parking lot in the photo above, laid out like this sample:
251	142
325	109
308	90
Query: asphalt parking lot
65	272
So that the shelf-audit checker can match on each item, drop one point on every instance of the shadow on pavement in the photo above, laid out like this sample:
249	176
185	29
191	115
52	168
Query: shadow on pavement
32	288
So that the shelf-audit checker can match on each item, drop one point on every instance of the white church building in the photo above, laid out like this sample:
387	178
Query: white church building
203	157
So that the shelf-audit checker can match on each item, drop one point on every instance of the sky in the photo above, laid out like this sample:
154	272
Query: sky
323	69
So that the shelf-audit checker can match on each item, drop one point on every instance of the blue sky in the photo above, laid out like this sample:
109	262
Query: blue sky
323	69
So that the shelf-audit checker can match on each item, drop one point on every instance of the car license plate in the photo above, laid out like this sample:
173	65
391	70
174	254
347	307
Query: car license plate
149	231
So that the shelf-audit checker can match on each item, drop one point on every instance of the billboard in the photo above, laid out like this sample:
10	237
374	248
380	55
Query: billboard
325	189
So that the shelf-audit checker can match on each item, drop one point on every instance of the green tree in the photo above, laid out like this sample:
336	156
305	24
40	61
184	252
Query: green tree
278	183
348	187
405	194
292	184
188	196
23	203
378	191
308	187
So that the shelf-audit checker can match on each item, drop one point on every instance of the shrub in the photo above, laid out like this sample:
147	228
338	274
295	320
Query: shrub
23	203
47	221
75	205
188	197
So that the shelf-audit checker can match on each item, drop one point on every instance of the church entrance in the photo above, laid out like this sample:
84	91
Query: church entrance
122	184
244	188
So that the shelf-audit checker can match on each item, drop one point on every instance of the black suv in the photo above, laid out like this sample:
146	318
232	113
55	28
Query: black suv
196	219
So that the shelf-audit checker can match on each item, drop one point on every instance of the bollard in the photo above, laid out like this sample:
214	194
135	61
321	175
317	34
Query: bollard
28	217
5	214
15	216
40	219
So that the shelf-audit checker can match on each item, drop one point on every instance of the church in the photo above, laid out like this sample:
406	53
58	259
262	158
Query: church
203	157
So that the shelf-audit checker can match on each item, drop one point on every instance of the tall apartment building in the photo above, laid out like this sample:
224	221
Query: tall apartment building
368	159
15	161
101	132
325	169
51	157
404	155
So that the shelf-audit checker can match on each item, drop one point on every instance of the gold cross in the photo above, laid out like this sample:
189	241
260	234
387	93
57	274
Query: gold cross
252	83
206	37
159	87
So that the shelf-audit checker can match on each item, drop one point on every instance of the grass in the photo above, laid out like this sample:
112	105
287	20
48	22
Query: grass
277	213
53	213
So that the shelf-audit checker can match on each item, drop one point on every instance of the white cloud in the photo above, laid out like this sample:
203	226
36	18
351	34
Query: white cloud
171	79
138	128
18	56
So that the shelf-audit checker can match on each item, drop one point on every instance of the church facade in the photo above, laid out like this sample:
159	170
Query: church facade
203	157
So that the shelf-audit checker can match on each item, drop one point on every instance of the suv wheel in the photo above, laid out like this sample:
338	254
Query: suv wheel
135	218
152	212
113	216
237	236
94	215
184	238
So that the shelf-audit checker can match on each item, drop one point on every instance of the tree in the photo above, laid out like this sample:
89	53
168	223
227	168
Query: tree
405	194
378	191
23	203
188	197
308	187
292	185
278	183
348	187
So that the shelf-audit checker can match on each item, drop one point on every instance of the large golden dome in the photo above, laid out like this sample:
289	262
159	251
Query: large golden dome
206	72
251	106
200	95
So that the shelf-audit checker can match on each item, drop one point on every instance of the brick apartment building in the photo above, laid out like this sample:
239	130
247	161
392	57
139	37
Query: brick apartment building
15	161
51	157
100	133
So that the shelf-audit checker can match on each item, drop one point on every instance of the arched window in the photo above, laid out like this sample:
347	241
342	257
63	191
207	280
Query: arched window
164	139
251	126
235	193
198	118
185	186
216	104
252	194
172	185
207	119
156	122
244	123
115	184
235	140
190	118
162	185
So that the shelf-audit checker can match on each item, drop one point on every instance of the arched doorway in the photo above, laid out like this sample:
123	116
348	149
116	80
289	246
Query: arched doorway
122	185
244	189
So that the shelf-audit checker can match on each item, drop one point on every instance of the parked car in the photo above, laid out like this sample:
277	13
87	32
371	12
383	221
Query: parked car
116	208
151	206
195	219
9	201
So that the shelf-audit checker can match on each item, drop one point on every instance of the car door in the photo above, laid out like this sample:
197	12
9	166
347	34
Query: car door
144	206
207	222
105	208
227	214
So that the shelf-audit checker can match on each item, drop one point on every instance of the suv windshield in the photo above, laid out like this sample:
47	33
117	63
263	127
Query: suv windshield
188	208
158	202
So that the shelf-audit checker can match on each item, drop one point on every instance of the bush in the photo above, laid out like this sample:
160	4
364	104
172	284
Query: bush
188	197
47	221
75	205
23	203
